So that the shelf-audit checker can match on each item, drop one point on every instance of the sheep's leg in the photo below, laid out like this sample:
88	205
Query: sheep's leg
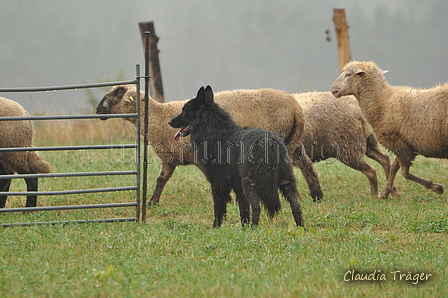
388	188
302	160
166	170
291	194
221	194
4	187
383	159
437	188
31	185
370	173
243	205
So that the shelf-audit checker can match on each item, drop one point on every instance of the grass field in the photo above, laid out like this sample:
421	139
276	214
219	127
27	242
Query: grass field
176	253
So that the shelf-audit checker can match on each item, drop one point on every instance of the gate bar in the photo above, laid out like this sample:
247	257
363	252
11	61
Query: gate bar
25	224
70	207
79	174
66	117
65	192
123	146
67	87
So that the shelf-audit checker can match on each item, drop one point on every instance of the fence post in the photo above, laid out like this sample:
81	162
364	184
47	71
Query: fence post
156	76
138	150
145	127
340	24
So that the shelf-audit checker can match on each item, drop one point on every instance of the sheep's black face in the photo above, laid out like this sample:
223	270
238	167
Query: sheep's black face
100	109
110	99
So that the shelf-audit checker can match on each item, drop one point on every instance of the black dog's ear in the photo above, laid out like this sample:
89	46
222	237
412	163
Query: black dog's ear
208	94
200	97
200	92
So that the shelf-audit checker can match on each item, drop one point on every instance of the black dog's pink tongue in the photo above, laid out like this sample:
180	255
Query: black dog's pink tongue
179	132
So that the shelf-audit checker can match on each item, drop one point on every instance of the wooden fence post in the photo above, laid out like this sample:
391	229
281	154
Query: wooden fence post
156	76
340	24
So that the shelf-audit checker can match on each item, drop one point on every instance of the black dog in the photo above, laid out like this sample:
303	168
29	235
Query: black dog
252	162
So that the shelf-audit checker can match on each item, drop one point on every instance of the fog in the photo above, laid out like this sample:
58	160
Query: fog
226	44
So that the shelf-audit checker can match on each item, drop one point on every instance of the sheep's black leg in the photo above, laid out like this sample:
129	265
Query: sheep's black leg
4	187
388	188
303	161
31	185
383	159
291	194
166	170
367	170
437	188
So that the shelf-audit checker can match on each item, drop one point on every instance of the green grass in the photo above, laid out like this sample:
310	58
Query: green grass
177	253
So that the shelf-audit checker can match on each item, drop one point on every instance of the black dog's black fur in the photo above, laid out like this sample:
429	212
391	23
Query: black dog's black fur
252	162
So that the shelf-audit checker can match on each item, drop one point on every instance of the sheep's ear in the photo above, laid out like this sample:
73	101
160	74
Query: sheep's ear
384	71
127	97
208	94
360	72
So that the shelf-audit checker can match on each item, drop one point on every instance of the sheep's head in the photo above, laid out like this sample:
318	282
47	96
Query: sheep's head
118	100
354	75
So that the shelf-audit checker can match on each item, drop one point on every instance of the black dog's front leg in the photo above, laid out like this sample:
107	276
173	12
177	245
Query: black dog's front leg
221	195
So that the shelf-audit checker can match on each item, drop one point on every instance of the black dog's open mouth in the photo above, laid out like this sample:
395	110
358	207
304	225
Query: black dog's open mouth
182	132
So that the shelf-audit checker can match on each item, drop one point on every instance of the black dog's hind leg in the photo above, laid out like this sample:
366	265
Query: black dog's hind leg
291	194
243	205
252	198
221	196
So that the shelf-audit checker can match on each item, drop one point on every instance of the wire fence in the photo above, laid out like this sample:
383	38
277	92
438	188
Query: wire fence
136	173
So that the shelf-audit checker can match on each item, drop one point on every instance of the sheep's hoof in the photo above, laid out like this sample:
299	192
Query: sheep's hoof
152	203
384	194
438	189
396	193
317	195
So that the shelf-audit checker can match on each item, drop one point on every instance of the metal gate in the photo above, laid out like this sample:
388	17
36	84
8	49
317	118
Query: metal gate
136	173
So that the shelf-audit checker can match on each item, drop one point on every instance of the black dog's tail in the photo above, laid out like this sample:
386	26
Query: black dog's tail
268	192
277	164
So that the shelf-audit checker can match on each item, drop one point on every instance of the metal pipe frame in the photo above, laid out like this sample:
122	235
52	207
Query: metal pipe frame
136	146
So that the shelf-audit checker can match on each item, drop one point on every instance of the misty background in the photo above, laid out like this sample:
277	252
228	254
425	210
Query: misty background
228	44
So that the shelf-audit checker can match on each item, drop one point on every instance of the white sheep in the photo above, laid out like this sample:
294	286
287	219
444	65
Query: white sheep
406	120
18	133
269	109
336	128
